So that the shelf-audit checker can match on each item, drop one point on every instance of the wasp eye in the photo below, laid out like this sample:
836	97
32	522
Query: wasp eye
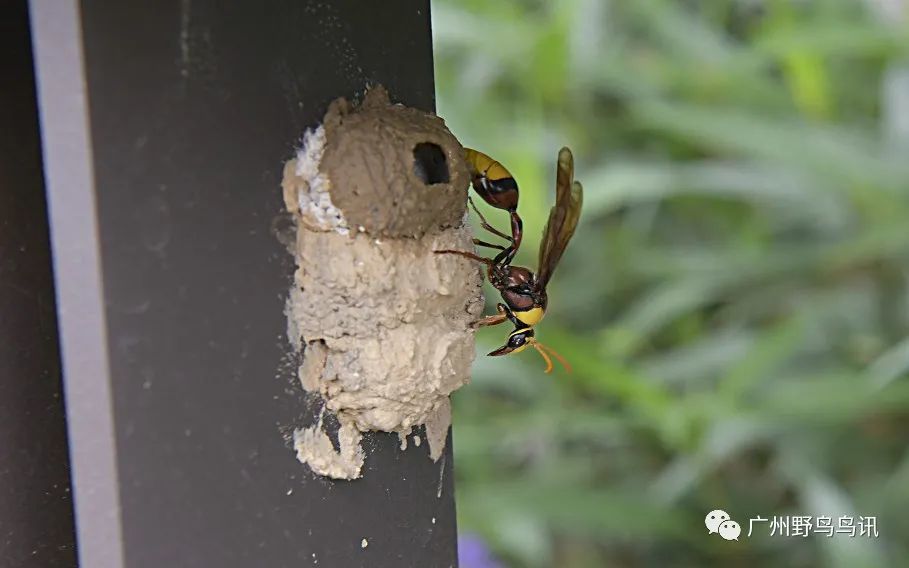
517	340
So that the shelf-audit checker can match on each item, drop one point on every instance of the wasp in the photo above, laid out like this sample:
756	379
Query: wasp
523	292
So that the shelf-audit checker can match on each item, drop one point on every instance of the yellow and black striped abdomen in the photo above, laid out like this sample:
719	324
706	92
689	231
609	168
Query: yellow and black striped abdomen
482	165
492	181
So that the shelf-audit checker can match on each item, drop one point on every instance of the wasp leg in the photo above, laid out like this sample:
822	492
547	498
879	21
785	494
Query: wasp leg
485	224
470	255
496	319
493	319
517	232
507	255
487	321
480	243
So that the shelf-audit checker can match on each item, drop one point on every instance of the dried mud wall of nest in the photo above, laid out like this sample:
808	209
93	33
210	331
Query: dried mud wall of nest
383	322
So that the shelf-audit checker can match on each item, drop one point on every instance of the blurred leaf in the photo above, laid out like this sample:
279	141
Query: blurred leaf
770	353
891	365
576	509
853	39
619	184
846	158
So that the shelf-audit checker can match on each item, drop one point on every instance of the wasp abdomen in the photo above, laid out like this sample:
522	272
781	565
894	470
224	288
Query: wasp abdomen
492	181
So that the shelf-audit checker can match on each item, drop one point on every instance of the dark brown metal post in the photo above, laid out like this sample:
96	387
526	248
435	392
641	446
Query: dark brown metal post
36	515
164	186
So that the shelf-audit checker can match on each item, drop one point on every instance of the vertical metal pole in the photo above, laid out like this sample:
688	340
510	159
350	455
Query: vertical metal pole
71	200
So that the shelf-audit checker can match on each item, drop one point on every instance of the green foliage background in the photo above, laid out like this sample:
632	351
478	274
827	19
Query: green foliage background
735	300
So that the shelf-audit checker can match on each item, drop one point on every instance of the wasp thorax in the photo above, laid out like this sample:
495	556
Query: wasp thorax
517	299
518	275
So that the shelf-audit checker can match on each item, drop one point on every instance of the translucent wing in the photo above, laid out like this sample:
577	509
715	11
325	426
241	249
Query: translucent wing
563	218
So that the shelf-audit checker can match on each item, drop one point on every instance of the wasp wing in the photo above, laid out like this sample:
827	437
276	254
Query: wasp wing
563	218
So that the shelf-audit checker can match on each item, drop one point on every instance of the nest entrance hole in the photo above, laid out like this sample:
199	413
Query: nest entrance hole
429	163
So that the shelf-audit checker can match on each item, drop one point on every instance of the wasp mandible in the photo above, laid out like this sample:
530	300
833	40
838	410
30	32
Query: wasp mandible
523	292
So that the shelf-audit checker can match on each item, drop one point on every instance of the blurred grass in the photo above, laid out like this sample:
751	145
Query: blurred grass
735	300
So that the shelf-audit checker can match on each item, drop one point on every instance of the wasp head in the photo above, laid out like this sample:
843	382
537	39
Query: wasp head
517	342
523	337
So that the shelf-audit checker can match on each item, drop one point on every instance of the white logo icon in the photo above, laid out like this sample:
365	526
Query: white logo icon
714	519
719	522
730	530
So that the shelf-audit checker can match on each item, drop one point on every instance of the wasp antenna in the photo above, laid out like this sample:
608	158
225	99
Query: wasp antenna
556	355
545	356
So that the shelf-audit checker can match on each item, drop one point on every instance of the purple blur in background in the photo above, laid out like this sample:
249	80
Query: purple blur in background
473	553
